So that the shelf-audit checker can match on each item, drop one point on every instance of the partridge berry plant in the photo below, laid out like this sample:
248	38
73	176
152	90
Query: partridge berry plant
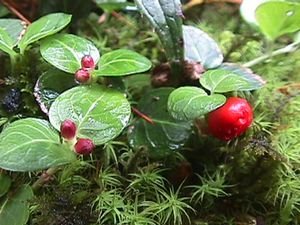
93	113
203	82
92	107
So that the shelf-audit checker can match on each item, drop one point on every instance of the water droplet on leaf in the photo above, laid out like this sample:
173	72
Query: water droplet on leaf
290	13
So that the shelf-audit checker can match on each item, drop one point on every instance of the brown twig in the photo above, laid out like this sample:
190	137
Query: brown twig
15	11
142	115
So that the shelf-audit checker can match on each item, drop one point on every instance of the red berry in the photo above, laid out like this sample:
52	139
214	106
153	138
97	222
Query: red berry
230	120
87	62
84	146
68	129
82	76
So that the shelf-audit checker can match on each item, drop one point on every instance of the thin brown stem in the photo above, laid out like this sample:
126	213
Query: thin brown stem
142	115
15	11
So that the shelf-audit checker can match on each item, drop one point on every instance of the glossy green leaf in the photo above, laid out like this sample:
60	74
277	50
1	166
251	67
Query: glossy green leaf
276	18
43	27
32	144
122	62
199	47
112	5
5	182
65	51
166	135
15	209
165	17
14	28
50	85
99	112
221	81
188	103
6	43
254	80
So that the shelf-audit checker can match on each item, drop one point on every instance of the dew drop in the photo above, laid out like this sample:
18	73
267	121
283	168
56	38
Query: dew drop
289	13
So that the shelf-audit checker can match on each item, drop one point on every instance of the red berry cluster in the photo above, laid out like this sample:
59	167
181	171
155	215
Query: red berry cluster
83	74
230	120
68	131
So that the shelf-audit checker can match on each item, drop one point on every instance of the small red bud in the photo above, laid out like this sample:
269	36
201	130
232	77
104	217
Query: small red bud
230	120
68	129
84	146
87	62
82	76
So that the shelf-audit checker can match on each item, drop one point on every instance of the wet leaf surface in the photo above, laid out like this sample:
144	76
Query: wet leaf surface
100	113
166	135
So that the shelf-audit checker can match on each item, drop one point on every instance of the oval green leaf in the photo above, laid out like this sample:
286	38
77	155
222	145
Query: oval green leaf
189	103
5	182
166	135
99	112
199	47
276	18
6	43
65	51
122	62
221	81
50	85
14	28
15	209
43	27
165	18
255	80
32	144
